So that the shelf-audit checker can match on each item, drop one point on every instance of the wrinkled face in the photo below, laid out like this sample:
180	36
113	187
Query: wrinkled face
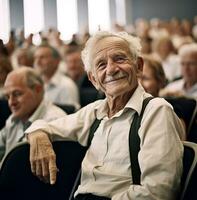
21	99
74	65
149	81
189	67
44	61
114	70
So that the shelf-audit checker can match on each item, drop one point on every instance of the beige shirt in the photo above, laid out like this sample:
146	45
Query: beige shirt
106	167
13	132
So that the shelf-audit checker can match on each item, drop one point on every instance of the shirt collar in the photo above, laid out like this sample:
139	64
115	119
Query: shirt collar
134	103
37	112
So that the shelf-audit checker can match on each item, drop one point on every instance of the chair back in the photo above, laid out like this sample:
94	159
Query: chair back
189	176
16	178
185	108
4	112
68	108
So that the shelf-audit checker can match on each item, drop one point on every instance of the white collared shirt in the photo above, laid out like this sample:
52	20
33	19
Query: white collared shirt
179	85
106	168
62	90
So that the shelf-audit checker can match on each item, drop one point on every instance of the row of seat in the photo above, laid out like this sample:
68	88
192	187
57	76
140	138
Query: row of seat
185	108
17	181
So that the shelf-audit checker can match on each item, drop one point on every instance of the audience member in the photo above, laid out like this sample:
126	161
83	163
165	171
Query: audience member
153	80
22	57
75	69
153	77
5	69
186	86
11	44
3	50
58	88
74	65
24	90
164	50
113	64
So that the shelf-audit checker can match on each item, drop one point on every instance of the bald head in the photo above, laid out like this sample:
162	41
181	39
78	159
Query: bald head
24	90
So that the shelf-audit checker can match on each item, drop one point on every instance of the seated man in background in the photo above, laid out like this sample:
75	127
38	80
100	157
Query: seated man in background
22	57
113	62
74	64
75	70
187	86
25	91
58	88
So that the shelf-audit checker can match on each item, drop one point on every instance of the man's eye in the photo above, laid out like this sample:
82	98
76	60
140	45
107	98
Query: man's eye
101	65
17	94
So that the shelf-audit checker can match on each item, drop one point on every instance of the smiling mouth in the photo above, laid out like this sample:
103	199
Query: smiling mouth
114	79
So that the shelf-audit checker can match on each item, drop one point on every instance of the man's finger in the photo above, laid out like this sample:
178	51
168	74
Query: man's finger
52	171
38	168
45	171
33	167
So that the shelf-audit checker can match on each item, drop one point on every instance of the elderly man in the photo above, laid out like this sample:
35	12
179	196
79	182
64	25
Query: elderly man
113	64
188	84
58	88
24	90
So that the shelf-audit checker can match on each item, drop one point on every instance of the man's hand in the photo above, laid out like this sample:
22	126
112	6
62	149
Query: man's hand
42	157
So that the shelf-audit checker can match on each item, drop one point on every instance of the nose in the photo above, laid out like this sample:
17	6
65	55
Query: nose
11	100
112	67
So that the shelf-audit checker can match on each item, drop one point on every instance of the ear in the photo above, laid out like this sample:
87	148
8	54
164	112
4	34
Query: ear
140	64
92	78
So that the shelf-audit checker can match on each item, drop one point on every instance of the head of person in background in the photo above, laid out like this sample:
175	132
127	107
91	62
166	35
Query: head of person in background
153	77
22	57
3	49
163	47
5	69
188	56
146	45
74	64
24	90
46	61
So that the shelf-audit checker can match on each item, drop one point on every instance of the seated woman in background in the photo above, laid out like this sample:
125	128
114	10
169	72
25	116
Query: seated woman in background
153	79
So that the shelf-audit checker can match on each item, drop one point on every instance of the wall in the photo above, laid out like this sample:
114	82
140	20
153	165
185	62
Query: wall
164	9
50	14
16	14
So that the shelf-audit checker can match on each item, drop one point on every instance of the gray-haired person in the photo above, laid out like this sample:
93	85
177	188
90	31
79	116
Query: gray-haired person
113	62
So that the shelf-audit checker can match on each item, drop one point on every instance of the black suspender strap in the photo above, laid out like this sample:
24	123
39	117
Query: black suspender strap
93	128
134	143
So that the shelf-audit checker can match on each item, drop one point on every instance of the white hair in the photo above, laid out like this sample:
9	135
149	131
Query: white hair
133	43
187	49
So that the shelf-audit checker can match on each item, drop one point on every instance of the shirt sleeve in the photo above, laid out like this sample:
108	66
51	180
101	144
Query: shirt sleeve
160	156
73	127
